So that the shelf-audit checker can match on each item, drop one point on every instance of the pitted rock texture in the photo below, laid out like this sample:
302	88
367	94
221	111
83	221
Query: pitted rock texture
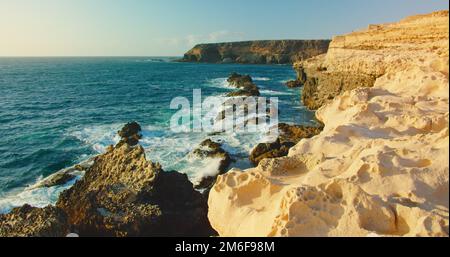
27	221
123	194
380	166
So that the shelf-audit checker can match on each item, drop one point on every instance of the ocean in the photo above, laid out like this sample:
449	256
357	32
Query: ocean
57	112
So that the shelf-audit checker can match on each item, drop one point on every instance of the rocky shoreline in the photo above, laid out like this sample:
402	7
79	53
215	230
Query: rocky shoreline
377	166
121	194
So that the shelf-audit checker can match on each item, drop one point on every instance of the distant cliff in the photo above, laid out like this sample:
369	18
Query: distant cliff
257	52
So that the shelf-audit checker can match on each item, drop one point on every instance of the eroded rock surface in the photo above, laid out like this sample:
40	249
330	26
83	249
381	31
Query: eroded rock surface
27	221
380	166
120	194
123	194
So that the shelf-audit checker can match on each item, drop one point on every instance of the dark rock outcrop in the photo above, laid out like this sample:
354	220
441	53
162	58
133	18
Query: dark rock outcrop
211	149
121	194
27	221
290	135
294	83
257	52
130	133
245	85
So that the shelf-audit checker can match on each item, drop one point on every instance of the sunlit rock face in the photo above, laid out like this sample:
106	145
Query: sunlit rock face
359	58
380	166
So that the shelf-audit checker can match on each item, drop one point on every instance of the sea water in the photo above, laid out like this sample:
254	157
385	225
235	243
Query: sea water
56	112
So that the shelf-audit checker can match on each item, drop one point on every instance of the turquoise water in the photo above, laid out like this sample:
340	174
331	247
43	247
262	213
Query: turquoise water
56	112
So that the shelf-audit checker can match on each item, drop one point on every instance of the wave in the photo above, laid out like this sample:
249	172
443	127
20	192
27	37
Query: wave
261	79
37	197
98	137
220	83
273	92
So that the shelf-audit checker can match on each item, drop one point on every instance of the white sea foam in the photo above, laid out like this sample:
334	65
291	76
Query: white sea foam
37	197
220	83
161	145
99	137
261	79
273	92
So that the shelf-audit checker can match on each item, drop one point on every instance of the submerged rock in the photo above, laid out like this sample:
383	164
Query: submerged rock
64	176
27	221
58	179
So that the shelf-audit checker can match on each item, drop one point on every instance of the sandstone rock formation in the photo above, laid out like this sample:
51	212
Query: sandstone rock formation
379	168
257	52
28	221
290	135
357	59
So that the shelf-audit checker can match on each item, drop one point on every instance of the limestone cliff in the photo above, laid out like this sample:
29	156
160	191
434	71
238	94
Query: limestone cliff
357	59
380	167
257	52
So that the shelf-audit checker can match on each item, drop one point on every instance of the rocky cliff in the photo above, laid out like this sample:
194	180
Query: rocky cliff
380	166
359	58
257	52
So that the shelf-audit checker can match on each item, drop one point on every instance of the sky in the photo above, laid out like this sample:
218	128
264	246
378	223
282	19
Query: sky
171	27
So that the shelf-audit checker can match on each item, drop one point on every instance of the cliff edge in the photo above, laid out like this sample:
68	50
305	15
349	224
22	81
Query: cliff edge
359	58
380	167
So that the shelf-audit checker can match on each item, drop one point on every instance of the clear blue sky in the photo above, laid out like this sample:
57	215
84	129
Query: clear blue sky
171	27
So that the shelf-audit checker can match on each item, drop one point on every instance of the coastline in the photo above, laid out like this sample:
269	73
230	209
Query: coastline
349	180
